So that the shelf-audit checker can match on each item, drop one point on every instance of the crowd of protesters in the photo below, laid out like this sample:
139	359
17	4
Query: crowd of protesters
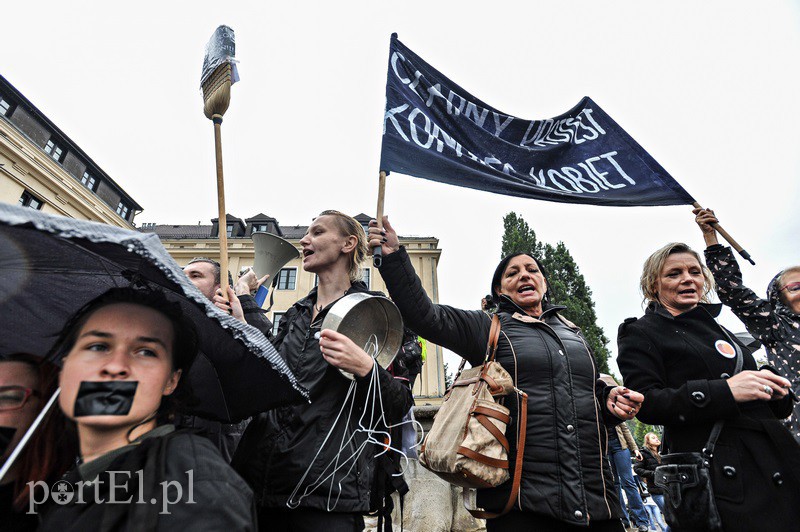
121	362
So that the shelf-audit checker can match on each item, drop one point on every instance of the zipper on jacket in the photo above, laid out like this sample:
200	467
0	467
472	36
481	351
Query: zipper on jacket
597	422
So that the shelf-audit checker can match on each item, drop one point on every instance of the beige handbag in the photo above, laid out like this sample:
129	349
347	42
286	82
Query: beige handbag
466	445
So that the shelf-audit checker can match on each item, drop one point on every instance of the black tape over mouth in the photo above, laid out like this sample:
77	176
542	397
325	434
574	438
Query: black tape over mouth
6	435
105	398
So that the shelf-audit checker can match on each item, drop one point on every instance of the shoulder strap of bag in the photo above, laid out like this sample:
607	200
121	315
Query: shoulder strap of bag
517	475
491	350
522	421
708	450
494	335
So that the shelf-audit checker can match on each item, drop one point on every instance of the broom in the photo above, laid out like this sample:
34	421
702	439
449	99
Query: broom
216	99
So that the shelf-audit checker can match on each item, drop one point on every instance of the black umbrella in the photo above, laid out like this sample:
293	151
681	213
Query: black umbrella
50	266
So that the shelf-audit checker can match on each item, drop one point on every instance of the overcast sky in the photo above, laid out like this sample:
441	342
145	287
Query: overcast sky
708	88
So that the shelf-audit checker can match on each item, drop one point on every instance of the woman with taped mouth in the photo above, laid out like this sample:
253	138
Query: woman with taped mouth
281	446
566	482
685	364
123	357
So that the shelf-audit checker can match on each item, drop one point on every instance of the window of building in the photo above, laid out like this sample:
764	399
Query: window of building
229	230
259	228
4	106
123	210
287	278
90	181
276	320
365	276
28	200
55	151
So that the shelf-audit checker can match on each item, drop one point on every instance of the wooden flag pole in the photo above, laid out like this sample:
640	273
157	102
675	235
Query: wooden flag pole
377	257
734	244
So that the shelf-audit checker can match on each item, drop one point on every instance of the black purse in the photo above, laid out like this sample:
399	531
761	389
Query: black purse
686	479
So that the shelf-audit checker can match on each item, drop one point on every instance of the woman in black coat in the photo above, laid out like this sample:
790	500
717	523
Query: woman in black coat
646	467
566	481
683	362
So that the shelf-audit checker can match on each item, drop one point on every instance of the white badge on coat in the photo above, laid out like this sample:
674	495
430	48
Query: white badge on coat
725	349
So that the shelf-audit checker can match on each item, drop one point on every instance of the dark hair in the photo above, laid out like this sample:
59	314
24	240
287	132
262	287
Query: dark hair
498	275
217	268
52	449
184	345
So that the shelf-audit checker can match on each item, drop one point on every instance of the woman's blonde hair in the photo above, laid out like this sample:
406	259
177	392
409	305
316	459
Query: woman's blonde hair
349	226
655	263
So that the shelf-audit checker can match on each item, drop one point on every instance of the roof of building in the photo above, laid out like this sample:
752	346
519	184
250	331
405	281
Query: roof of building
292	232
178	231
71	146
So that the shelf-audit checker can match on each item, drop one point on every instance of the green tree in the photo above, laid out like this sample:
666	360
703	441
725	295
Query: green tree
566	284
639	429
448	377
519	237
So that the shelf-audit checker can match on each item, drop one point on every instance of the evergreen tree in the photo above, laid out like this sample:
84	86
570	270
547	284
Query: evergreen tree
448	377
566	285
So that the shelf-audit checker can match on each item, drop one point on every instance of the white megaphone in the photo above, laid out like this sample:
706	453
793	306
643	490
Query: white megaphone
272	253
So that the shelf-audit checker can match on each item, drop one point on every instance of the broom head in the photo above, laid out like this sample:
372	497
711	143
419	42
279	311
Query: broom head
217	91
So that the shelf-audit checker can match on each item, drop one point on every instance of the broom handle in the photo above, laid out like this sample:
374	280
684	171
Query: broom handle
377	253
223	221
734	244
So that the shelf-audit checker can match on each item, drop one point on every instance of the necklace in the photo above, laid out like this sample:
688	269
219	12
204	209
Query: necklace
319	307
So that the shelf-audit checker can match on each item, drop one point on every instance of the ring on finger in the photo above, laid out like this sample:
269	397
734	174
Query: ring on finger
767	390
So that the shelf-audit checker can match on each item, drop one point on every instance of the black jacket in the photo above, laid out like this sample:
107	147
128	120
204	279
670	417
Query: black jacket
213	498
565	474
226	436
646	469
675	362
279	445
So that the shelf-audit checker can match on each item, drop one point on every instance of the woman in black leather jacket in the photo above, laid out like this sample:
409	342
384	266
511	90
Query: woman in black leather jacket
566	481
284	452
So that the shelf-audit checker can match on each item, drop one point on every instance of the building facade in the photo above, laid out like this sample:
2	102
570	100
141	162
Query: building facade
185	242
42	168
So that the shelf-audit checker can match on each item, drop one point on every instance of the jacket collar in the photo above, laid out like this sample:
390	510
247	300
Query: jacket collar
309	301
710	309
506	304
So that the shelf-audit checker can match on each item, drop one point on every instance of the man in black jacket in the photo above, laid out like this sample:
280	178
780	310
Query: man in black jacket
204	273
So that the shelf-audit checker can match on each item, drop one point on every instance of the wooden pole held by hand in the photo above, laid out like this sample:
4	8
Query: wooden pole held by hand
223	222
377	254
724	234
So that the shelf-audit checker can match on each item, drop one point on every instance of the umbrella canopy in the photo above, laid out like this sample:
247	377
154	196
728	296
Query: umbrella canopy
50	266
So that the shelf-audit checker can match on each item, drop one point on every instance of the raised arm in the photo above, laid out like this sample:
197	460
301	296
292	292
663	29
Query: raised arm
463	332
756	313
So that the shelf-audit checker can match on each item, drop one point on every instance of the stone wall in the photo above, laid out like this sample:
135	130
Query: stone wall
431	505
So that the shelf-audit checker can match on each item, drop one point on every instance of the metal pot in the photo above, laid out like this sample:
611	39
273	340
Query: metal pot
372	322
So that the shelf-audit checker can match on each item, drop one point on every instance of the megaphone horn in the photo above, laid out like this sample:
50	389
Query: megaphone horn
271	254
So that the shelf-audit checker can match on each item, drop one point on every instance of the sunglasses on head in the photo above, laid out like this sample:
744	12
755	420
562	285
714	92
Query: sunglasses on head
791	287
